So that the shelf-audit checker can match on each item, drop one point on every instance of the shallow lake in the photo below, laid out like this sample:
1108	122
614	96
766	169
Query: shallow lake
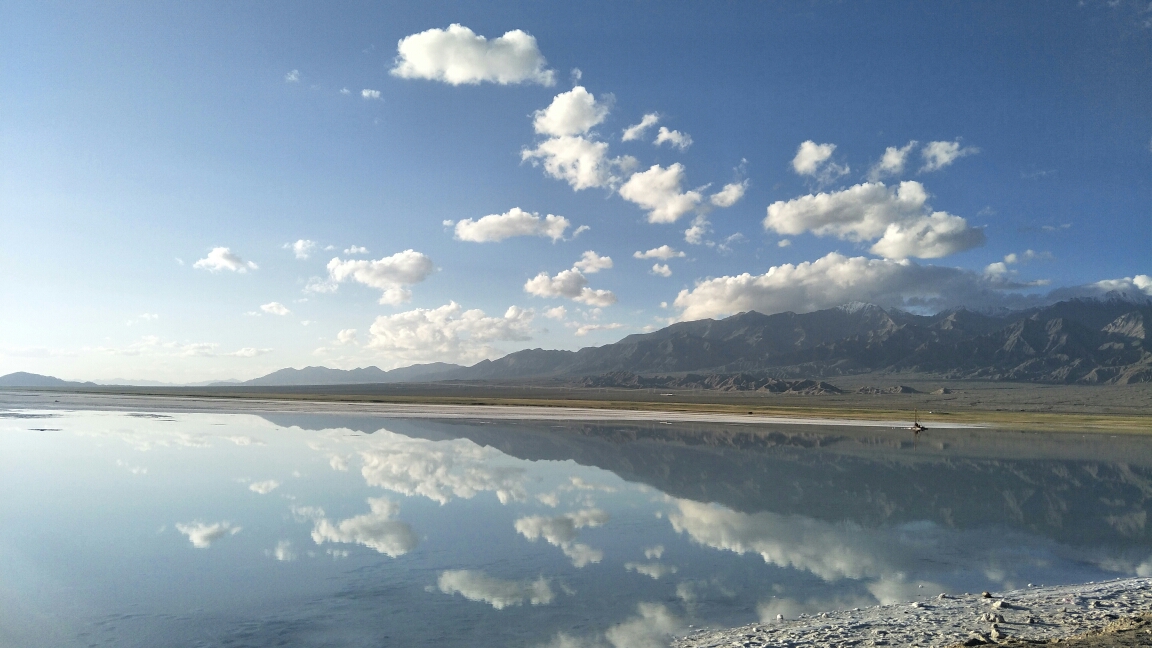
212	529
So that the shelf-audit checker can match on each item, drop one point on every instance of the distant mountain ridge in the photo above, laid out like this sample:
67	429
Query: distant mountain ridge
1087	341
25	379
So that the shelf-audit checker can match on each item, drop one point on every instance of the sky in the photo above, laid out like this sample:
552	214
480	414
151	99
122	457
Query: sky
216	190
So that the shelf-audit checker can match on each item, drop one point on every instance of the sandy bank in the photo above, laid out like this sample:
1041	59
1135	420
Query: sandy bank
1033	614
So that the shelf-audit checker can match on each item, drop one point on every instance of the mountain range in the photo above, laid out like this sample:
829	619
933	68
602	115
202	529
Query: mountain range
1087	341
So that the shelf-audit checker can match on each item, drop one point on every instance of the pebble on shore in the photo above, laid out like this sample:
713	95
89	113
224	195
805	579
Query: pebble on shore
1038	614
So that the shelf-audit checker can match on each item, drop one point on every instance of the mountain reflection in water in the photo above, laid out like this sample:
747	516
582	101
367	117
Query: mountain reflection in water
314	529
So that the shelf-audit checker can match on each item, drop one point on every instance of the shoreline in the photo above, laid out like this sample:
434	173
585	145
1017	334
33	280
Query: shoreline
1034	614
607	410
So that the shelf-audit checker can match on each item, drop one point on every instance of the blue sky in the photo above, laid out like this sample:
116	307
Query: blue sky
158	161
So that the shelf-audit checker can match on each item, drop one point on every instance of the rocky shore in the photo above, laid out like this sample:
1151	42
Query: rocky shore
1031	615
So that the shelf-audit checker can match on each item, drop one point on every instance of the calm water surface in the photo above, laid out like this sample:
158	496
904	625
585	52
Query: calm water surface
144	529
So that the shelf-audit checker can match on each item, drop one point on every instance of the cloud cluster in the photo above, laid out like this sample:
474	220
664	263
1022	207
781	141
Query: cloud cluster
673	137
264	487
275	308
478	586
390	274
458	55
899	217
938	155
222	258
592	263
448	333
659	191
440	470
377	530
203	535
301	248
561	531
637	131
730	194
836	279
815	160
514	222
571	284
571	113
663	253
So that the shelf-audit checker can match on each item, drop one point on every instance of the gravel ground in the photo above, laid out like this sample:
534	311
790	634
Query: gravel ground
1101	613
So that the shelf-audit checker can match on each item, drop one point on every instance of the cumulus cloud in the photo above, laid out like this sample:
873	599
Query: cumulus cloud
654	570
221	258
674	137
938	155
592	263
448	333
390	274
898	216
356	249
248	352
729	195
275	308
571	113
663	253
301	248
585	329
264	487
561	531
581	162
292	77
346	336
458	55
893	161
658	190
283	551
377	530
836	279
697	230
439	470
636	131
557	313
815	160
203	535
661	269
480	587
571	284
369	93
514	222
654	552
1000	268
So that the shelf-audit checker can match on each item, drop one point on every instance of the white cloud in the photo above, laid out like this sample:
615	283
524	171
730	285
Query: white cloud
222	258
658	190
275	308
561	531
592	263
893	161
673	137
815	160
292	77
369	93
570	113
376	530
458	56
938	155
203	535
514	222
389	274
571	284
301	248
783	243
478	586
448	333
1000	268
356	249
661	269
346	336
730	194
697	230
581	162
585	329
655	570
336	462
636	131
557	313
580	230
248	352
283	551
836	279
439	470
898	216
654	627
654	552
345	91
663	253
264	487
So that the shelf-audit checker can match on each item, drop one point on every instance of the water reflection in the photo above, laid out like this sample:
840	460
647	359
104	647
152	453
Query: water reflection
313	529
